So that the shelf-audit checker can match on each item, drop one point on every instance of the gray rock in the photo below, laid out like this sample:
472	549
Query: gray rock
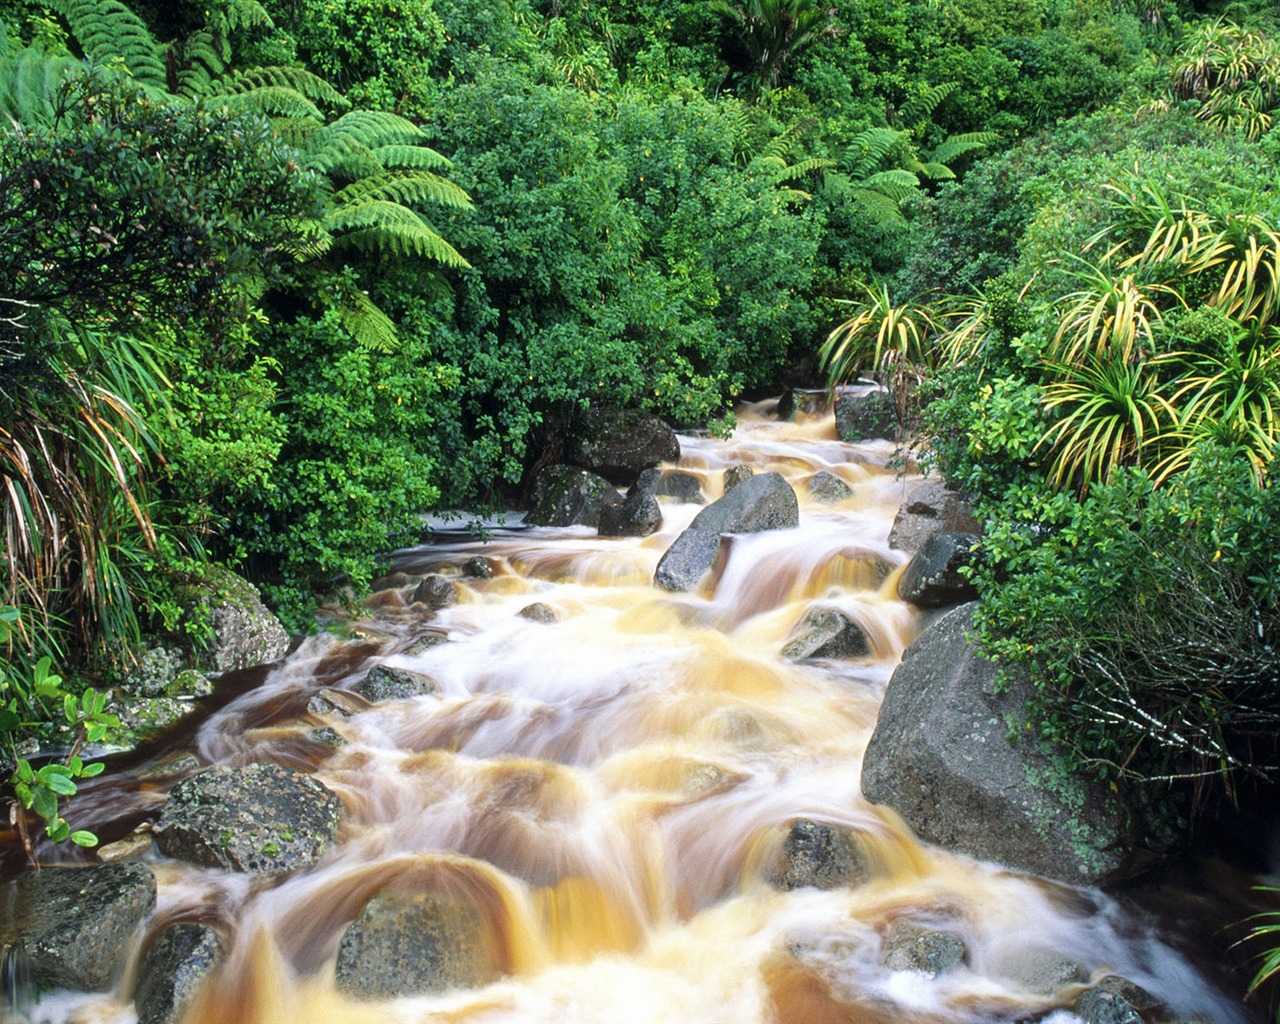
154	673
344	704
75	925
619	443
827	633
911	947
538	612
931	507
1115	1000
383	682
786	408
683	487
254	817
189	683
638	516
403	944
734	475
425	643
172	971
867	417
828	488
819	856
245	632
478	567
764	502
941	757
142	718
933	577
1042	971
569	496
436	592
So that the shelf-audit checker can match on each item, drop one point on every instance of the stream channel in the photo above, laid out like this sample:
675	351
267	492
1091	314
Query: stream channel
609	788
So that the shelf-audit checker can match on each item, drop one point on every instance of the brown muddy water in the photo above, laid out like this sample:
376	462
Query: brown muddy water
607	787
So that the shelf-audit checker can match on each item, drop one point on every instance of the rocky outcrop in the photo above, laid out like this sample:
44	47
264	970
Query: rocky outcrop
254	817
75	925
764	502
941	757
172	971
638	516
931	507
934	577
569	496
618	443
406	943
867	417
827	633
382	682
828	488
820	856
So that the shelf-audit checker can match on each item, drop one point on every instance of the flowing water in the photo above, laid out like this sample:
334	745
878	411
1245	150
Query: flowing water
607	788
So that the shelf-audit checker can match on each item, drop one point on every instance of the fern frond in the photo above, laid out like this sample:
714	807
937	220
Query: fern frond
339	154
376	128
310	85
418	158
897	184
368	324
408	189
957	145
270	100
306	240
29	82
882	208
379	225
107	30
804	167
922	107
794	195
930	169
869	148
245	14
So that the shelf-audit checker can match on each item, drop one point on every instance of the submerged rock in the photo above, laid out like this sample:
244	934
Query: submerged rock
569	496
764	502
619	443
912	947
538	612
254	817
406	943
934	578
382	682
75	925
867	417
941	757
818	855
828	488
172	971
827	633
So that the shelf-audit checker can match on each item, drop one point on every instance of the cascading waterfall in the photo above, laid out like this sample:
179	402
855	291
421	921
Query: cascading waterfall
607	788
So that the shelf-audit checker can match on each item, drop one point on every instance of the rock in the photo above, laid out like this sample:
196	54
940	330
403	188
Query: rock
619	443
764	502
172	971
1115	1000
328	701
154	673
933	577
734	475
245	632
1042	971
931	507
638	516
820	856
403	944
911	947
142	718
786	408
941	757
827	633
828	488
538	612
425	643
569	496
189	683
867	417
254	817
477	567
134	846
436	592
76	924
683	487
385	683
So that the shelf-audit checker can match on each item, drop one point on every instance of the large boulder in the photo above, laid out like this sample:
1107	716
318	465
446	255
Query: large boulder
942	758
172	971
1116	1000
638	516
931	507
868	416
934	578
912	947
764	502
75	925
254	817
244	632
569	496
436	591
406	943
619	443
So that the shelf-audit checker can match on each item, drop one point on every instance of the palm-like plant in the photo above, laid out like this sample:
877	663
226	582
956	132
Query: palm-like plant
1109	314
771	32
1235	74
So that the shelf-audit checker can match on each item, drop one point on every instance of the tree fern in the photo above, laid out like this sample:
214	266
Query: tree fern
375	225
955	146
410	188
271	101
421	158
29	85
868	150
920	108
368	324
300	80
107	30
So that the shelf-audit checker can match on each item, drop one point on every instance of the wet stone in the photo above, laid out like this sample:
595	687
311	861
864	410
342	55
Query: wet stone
173	970
818	855
638	516
569	496
827	633
477	567
383	682
436	592
911	947
828	488
254	817
403	944
538	612
425	643
867	417
1116	1000
75	924
1043	971
934	578
683	487
329	701
734	475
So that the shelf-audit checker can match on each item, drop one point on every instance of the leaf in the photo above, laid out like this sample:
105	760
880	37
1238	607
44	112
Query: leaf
61	784
58	830
83	838
90	770
8	720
